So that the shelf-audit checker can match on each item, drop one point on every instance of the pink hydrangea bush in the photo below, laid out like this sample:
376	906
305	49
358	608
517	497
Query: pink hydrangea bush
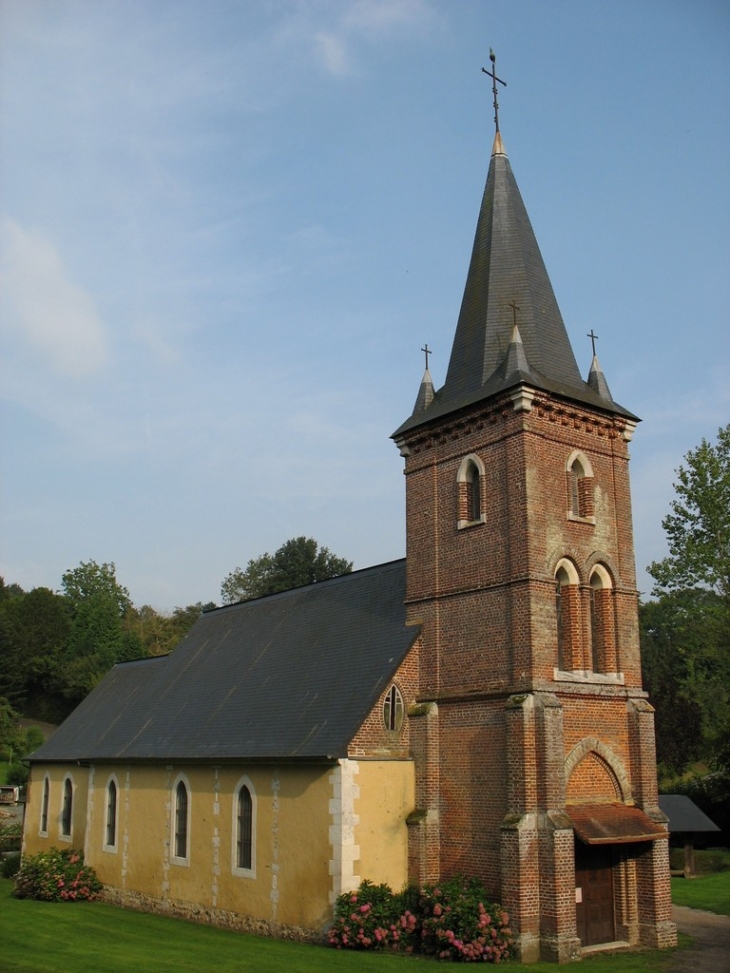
56	876
374	918
458	922
452	921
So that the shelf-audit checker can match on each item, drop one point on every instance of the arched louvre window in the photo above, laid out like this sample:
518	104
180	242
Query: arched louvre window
111	814
473	493
580	487
470	501
244	843
181	820
67	808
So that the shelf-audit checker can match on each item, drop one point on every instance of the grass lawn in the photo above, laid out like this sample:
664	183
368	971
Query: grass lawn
709	892
90	937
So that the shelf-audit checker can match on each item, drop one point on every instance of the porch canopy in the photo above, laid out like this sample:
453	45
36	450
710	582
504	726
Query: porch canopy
613	824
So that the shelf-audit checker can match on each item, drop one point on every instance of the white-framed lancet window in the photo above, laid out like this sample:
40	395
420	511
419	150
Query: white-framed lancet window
66	817
45	800
243	831
111	814
180	821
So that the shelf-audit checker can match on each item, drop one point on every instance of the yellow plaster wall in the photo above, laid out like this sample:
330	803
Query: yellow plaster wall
387	797
290	882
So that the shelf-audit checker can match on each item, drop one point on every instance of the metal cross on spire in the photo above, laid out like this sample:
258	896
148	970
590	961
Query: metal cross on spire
515	309
427	351
492	74
593	340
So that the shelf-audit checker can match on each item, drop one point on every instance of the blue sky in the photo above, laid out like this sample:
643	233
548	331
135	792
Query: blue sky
228	227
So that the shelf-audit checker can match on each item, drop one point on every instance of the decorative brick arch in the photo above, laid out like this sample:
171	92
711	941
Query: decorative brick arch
592	745
582	459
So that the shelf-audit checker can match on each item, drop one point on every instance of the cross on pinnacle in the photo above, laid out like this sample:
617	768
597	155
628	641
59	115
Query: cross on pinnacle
427	352
515	309
593	340
495	79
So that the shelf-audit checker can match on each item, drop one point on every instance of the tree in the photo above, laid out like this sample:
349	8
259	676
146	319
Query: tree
90	579
297	562
698	529
686	632
98	638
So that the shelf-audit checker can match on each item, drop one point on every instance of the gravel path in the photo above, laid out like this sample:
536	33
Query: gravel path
710	952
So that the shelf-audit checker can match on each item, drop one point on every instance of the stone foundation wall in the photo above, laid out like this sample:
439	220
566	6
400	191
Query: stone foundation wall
221	918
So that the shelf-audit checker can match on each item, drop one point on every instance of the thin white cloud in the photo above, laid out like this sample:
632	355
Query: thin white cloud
332	53
41	307
367	20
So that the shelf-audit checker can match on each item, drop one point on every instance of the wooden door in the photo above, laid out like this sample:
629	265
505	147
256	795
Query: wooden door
594	894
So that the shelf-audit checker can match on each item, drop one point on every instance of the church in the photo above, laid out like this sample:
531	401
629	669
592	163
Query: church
475	708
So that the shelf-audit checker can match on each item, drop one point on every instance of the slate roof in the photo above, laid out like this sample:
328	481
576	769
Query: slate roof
684	815
507	267
286	677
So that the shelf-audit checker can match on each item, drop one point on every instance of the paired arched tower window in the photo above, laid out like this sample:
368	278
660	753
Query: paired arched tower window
469	492
598	652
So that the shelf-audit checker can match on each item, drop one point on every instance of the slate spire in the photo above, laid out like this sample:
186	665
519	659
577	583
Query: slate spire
507	274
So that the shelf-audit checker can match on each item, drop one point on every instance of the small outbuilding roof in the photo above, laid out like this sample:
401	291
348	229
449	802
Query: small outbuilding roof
286	677
684	815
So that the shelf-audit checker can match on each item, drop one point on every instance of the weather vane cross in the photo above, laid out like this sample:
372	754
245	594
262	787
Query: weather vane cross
427	351
493	75
593	340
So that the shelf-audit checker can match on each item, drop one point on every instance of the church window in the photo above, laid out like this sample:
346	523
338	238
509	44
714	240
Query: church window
67	808
44	806
603	637
245	820
567	617
579	475
393	709
469	484
243	851
110	830
181	822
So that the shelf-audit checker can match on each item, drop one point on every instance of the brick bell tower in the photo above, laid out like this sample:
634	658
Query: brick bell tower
532	738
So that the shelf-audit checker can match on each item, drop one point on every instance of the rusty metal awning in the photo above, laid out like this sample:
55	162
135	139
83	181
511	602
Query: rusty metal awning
613	824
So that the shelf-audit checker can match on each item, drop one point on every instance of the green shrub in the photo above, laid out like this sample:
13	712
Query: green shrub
56	876
10	837
452	921
10	864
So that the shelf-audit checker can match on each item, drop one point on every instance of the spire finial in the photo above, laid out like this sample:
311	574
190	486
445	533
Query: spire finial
495	79
593	340
427	351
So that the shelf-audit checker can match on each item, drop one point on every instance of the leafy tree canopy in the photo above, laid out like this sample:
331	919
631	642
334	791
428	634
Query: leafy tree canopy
297	562
698	528
91	580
